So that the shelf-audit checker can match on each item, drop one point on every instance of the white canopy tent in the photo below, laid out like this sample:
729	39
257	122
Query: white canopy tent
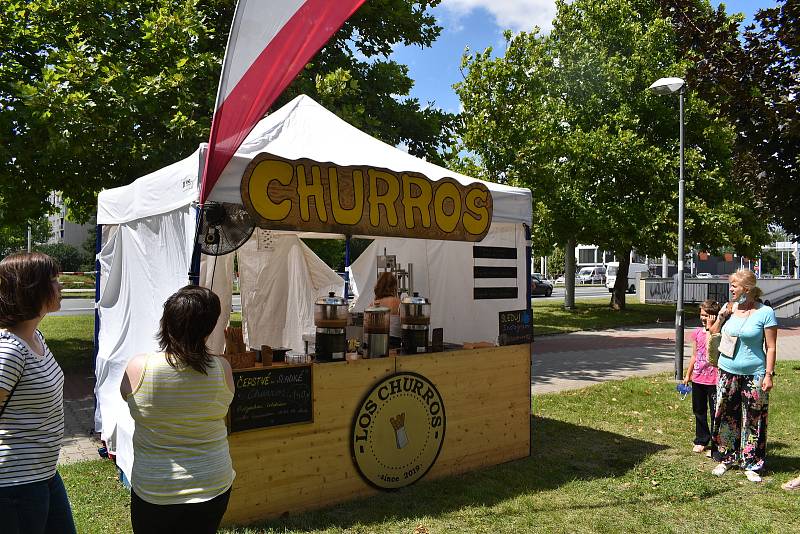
148	239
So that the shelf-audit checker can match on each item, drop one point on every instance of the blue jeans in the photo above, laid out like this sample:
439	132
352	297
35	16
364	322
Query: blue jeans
36	508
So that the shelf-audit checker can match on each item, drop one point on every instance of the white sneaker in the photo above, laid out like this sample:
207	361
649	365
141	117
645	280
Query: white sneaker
752	476
720	470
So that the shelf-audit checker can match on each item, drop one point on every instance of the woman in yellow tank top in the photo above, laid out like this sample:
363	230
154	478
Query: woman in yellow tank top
182	474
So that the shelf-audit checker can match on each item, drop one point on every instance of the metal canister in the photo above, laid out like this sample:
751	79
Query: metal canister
415	322
375	341
330	318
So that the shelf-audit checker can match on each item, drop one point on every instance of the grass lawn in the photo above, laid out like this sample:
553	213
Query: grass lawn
615	457
71	338
550	317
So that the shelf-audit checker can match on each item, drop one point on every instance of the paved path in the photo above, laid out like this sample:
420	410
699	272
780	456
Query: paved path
580	359
560	362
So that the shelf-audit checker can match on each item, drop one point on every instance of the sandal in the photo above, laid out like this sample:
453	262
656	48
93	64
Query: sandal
752	476
720	470
792	485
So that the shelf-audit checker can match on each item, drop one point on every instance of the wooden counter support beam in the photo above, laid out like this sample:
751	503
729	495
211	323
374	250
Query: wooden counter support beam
487	399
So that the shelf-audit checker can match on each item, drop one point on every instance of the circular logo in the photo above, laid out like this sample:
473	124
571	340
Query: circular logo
398	431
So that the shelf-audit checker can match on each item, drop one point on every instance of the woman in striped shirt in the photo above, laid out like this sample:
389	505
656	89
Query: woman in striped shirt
32	495
182	473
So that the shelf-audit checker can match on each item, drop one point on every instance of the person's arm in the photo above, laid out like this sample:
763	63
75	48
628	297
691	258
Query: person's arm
132	376
722	316
690	370
4	393
771	338
228	371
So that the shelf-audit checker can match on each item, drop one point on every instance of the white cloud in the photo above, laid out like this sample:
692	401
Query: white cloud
516	15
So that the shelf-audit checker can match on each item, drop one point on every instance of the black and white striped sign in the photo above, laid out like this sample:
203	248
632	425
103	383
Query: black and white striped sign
494	273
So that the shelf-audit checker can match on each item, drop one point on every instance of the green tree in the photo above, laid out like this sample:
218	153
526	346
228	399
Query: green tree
15	238
69	258
753	78
568	114
96	94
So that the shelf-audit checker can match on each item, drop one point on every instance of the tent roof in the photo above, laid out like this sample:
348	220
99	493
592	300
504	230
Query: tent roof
300	129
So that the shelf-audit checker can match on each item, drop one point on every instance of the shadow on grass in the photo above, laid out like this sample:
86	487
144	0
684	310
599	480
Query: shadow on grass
561	453
72	353
777	464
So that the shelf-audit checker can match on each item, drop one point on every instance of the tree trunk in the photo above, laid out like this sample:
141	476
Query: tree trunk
621	282
569	274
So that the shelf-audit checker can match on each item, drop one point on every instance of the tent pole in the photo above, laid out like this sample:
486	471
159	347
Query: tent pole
346	265
98	243
194	268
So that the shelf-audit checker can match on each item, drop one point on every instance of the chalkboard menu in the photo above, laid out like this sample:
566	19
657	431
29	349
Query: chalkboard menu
271	396
516	327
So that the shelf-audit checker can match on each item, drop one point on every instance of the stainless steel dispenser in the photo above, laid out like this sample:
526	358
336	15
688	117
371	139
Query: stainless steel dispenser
415	322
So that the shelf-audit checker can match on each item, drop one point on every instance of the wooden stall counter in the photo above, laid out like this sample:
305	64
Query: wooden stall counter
309	436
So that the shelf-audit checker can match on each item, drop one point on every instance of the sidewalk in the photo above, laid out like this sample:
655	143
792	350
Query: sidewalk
560	362
580	359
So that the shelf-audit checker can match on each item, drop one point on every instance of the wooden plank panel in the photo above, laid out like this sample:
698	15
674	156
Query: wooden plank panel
290	469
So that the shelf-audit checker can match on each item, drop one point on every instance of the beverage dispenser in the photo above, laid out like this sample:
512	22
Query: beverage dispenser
330	318
375	343
415	322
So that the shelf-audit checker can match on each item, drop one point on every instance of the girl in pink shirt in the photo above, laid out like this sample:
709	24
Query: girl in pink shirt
703	376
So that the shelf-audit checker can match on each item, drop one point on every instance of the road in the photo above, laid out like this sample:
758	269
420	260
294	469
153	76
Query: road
581	292
86	306
73	306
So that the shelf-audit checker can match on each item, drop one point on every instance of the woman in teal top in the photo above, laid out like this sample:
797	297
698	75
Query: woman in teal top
745	378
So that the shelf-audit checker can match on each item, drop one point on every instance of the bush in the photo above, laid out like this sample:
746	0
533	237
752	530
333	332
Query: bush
70	258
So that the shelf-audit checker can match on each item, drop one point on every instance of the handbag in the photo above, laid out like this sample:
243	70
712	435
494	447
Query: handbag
712	349
727	345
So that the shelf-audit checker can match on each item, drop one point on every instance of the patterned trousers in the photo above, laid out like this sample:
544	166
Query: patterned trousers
740	421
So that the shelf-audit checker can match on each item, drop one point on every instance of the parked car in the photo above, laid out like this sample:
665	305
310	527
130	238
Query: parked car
540	286
704	275
591	275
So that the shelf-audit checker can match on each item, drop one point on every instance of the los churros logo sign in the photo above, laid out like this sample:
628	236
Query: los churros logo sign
398	431
306	195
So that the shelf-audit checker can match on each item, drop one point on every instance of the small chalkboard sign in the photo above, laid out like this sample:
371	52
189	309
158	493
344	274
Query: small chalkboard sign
271	396
516	327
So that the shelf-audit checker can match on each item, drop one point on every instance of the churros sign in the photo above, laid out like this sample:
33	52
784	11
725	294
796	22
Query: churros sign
310	196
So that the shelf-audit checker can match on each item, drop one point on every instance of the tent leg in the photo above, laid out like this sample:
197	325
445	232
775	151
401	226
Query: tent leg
98	243
346	265
528	252
194	268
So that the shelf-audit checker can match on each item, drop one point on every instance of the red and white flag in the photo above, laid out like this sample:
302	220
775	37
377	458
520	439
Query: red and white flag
270	42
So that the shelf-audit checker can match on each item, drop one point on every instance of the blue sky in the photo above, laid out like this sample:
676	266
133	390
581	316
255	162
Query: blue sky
478	24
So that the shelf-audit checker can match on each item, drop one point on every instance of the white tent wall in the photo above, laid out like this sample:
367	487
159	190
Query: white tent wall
143	263
443	271
279	284
216	273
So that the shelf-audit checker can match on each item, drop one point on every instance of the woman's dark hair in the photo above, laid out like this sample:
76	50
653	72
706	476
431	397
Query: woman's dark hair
710	306
26	286
190	315
386	286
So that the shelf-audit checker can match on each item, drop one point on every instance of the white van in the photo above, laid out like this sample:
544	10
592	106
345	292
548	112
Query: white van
591	275
633	269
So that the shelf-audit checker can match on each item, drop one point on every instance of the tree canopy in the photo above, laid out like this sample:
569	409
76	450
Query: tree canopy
753	76
568	114
96	94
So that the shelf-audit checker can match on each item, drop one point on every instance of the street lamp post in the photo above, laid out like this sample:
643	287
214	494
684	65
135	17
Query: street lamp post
669	86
